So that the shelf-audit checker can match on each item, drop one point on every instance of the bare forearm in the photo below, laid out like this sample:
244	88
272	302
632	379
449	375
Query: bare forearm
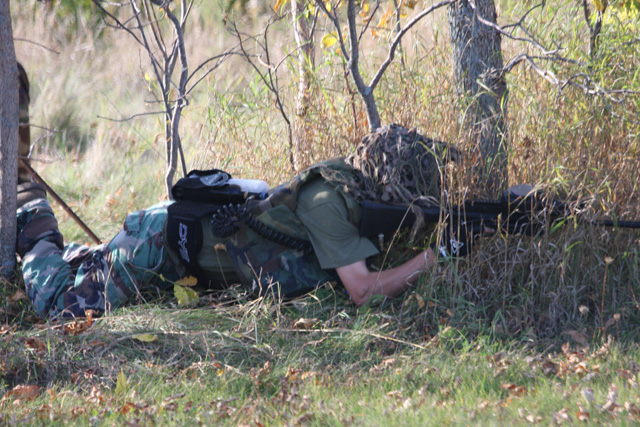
362	284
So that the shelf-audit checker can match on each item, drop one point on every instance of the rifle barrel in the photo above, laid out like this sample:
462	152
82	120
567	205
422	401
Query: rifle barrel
61	202
378	217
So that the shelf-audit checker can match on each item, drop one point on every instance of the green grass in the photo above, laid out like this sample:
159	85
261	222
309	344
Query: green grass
516	333
249	363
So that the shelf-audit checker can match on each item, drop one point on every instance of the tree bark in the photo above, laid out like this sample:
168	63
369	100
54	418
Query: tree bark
8	141
302	31
482	91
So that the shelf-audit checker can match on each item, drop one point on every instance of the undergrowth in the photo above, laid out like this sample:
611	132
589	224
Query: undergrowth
526	329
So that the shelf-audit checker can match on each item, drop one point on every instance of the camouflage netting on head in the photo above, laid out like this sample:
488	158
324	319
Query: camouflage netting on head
398	165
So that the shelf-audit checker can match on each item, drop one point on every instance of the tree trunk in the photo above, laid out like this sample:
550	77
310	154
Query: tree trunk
305	51
8	141
482	90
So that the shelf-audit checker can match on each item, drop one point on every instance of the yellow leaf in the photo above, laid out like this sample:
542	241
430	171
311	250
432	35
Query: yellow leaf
421	302
599	4
185	296
328	5
145	337
279	4
385	18
329	40
188	281
410	3
121	384
364	11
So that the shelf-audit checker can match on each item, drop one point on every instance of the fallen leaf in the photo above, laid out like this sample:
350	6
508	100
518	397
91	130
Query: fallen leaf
577	337
121	383
610	406
632	409
5	329
483	405
304	323
23	392
145	337
262	372
185	296
549	367
126	408
587	394
19	295
561	416
533	419
292	374
77	327
582	414
613	393
514	390
188	281
396	394
36	344
420	301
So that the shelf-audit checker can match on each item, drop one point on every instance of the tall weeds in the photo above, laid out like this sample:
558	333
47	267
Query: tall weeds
574	277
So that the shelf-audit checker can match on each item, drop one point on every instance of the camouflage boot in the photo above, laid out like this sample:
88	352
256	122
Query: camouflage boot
36	221
29	191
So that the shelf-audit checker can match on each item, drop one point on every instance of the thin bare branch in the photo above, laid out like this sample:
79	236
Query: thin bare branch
333	17
180	103
269	78
37	44
133	116
396	41
590	87
219	60
369	20
509	35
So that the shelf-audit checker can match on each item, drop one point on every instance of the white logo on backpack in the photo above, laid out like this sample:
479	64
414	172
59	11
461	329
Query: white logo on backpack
455	246
182	232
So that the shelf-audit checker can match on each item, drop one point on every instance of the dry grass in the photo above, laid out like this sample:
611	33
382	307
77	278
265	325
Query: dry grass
526	288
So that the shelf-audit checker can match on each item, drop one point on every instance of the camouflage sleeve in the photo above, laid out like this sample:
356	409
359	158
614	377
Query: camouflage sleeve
67	281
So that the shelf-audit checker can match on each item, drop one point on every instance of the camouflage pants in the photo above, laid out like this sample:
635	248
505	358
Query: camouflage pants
64	281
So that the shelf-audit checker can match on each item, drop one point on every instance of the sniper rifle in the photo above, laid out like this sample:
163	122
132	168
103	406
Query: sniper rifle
521	210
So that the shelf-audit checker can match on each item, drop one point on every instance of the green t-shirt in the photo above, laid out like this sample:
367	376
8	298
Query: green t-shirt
322	210
336	241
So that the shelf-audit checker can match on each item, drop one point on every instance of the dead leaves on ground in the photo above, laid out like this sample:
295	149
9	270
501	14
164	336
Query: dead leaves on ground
21	393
